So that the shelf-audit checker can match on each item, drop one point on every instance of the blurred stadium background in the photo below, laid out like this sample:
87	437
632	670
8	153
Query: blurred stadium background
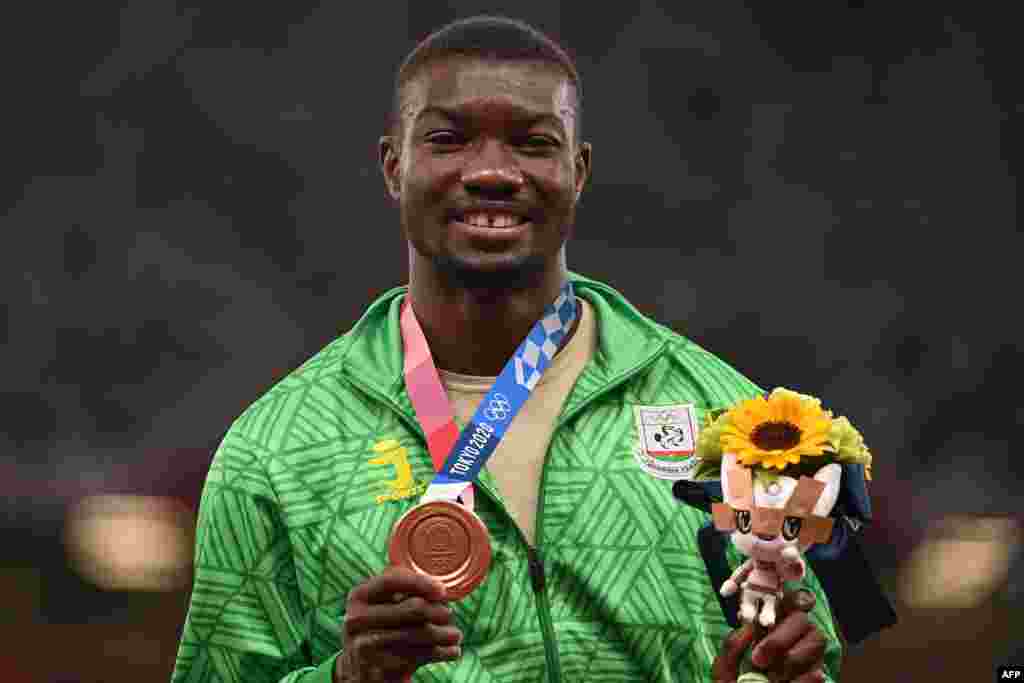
821	193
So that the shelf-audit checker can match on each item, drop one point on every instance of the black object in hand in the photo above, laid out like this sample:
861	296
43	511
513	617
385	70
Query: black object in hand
692	493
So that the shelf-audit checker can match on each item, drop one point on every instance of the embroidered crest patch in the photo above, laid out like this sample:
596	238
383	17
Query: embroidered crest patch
668	438
390	452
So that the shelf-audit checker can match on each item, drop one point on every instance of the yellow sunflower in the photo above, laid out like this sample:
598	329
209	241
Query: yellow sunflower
777	431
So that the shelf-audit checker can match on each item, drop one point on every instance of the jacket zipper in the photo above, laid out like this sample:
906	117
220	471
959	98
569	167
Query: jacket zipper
533	554
547	628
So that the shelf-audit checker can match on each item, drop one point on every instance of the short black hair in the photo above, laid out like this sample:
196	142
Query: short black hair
487	37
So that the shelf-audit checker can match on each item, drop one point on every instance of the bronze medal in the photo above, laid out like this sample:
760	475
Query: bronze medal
445	540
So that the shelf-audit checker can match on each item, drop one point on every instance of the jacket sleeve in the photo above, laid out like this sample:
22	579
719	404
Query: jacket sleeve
246	622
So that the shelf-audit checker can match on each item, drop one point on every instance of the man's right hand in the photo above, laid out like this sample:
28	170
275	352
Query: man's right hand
394	623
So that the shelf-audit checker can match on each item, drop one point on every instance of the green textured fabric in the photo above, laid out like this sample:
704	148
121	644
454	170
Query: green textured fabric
290	522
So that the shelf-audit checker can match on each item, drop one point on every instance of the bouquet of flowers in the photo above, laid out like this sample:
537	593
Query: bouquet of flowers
783	433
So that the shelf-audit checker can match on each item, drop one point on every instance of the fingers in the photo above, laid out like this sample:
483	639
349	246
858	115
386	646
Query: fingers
409	612
418	638
800	600
396	580
778	642
816	676
399	652
727	663
795	647
805	657
395	622
385	656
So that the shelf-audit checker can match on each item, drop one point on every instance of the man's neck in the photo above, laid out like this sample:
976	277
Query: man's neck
475	332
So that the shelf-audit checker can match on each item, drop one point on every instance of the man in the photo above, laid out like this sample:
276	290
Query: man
596	572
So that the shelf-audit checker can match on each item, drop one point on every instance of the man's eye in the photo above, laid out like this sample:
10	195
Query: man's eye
444	137
538	143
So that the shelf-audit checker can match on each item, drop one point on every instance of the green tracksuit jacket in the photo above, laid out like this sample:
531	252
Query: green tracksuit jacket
294	515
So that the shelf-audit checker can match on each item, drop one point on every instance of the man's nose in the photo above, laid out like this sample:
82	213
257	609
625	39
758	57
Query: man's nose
492	170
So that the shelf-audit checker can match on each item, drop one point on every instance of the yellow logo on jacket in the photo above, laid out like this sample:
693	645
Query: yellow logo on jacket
390	452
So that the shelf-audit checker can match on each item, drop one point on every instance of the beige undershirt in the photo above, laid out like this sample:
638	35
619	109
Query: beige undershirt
517	461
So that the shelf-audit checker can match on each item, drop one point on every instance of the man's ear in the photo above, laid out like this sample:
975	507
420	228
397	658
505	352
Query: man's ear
390	165
583	164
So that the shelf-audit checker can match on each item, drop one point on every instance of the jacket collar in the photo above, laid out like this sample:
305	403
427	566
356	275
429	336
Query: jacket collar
370	355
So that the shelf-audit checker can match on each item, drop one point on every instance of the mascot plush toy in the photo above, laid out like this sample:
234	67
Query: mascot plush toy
780	460
774	521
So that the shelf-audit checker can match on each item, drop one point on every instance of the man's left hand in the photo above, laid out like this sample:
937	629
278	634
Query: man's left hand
792	652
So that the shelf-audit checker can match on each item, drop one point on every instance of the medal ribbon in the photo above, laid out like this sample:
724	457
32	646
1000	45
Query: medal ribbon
458	457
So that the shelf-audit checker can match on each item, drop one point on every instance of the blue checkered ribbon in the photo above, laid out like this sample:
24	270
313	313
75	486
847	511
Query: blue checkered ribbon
513	386
537	351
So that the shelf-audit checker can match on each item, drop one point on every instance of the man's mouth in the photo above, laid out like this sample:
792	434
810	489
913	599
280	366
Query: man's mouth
491	220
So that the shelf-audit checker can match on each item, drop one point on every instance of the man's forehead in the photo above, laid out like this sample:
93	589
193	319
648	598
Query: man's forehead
458	82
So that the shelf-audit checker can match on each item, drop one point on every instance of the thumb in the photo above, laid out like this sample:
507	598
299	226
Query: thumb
727	664
800	600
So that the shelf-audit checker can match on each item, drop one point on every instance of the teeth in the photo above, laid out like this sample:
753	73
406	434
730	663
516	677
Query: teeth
485	220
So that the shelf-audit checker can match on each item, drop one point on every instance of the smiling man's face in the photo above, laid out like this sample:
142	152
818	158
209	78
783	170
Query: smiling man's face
487	170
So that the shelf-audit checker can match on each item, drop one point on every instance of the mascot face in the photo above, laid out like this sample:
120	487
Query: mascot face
771	514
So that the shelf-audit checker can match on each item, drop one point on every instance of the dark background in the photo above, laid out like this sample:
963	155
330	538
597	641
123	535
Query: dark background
823	194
